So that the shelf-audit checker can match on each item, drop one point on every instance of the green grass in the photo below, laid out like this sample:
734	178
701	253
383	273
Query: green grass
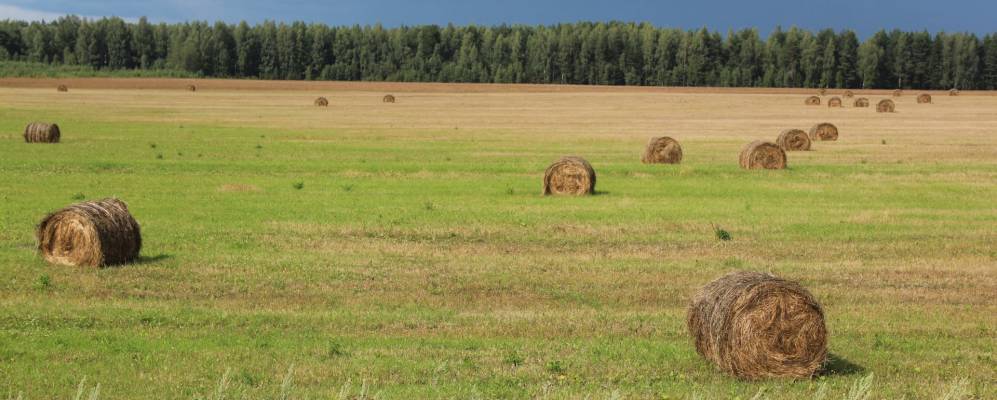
25	69
397	265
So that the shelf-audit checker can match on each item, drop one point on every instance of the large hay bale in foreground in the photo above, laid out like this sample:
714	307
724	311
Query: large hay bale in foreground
41	132
388	99
62	88
762	155
824	131
191	88
755	325
322	102
924	98
569	176
849	94
812	101
954	92
834	102
92	233
793	140
662	150
861	102
886	106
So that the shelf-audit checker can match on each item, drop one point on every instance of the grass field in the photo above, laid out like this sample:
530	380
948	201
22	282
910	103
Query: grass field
405	248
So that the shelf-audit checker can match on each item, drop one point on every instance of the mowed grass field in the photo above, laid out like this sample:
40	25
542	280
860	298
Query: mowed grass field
404	251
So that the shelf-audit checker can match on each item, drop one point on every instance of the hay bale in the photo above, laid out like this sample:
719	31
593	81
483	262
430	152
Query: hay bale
824	131
886	106
822	91
62	88
755	325
924	98
834	102
861	102
322	102
662	150
92	234
793	140
762	155
41	132
898	93
954	92
812	101
569	176
849	94
388	99
191	88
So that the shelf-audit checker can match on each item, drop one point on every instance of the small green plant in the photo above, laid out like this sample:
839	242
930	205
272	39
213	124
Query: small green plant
510	191
180	153
429	206
159	156
299	185
347	187
152	145
555	367
79	196
514	358
722	234
44	282
259	147
336	349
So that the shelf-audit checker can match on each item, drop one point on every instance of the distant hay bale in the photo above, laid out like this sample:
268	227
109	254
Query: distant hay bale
824	131
762	155
834	102
754	325
812	101
41	132
662	150
388	99
569	176
849	94
886	106
191	88
793	140
954	92
822	91
861	102
898	93
924	98
322	102
62	88
92	234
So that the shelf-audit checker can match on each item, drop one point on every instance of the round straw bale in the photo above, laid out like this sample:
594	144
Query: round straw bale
62	88
322	102
824	131
40	132
834	102
861	102
954	92
388	99
886	106
898	93
662	150
755	325
191	88
92	233
793	140
924	98
849	94
822	91
569	176
812	101
761	154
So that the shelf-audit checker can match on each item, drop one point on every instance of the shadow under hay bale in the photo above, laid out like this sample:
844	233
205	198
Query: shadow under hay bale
793	140
191	88
569	176
762	155
755	325
924	99
662	150
861	102
834	102
62	88
93	234
886	106
849	94
388	99
322	102
40	132
824	131
812	101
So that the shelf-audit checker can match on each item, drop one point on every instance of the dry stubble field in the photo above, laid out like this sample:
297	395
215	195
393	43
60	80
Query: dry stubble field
403	250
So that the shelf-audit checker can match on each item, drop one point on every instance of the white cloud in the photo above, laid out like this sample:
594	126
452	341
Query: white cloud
24	14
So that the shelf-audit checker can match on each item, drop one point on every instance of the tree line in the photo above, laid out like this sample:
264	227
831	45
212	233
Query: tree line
614	53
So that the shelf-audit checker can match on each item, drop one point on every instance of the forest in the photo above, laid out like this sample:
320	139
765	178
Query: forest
614	53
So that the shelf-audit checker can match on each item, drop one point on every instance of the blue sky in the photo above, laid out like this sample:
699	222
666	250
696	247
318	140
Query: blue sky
863	16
